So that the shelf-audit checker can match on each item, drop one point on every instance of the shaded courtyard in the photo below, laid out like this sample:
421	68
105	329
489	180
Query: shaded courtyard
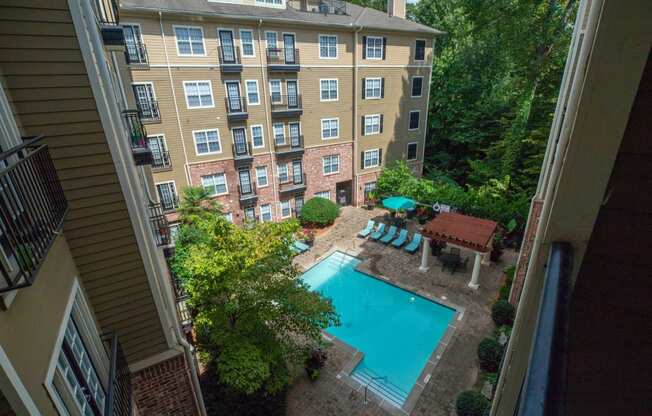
458	368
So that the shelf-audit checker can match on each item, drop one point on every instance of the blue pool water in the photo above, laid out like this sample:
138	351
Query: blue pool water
395	329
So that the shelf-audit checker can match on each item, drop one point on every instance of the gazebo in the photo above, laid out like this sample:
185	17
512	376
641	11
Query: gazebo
463	231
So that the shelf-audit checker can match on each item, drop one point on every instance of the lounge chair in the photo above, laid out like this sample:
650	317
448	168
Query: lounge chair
300	247
389	236
379	232
414	244
368	229
400	240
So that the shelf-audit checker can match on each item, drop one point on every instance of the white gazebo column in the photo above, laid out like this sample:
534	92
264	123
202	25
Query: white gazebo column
425	254
475	276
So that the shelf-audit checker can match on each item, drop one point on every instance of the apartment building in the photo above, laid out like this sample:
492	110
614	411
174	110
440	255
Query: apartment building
267	103
88	317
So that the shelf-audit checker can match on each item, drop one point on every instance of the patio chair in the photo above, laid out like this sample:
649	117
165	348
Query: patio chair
368	229
300	247
389	236
379	232
414	244
400	240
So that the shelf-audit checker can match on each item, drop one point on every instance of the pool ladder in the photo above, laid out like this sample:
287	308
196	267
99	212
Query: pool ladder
371	380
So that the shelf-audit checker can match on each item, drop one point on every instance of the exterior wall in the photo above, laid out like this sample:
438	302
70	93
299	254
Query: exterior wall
164	389
317	181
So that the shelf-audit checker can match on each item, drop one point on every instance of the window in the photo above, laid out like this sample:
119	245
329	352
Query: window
229	217
298	204
257	136
327	46
371	158
215	184
271	2
414	120
279	133
271	39
160	155
331	164
207	142
190	41
330	128
245	182
412	151
167	195
372	124
199	94
134	44
323	194
417	86
145	100
286	210
328	89
275	91
420	50
261	176
250	214
283	175
374	48
266	212
252	92
247	43
373	88
368	188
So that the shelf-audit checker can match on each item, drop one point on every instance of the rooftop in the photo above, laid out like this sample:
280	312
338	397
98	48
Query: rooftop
463	230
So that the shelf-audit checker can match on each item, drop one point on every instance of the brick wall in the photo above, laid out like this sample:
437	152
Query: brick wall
364	178
164	389
526	251
312	165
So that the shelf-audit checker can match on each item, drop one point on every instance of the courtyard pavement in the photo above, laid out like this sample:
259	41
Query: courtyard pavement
458	368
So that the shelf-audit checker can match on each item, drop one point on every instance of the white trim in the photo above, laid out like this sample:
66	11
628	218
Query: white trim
280	88
425	45
337	46
337	89
176	41
271	214
321	128
185	94
266	44
253	43
379	79
262	135
280	208
219	142
266	176
263	3
323	165
412	86
226	183
247	92
13	388
365	124
407	151
284	133
286	166
410	118
364	158
366	51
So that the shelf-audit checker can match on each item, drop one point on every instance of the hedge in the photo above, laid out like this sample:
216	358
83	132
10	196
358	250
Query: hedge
490	352
319	212
471	403
502	312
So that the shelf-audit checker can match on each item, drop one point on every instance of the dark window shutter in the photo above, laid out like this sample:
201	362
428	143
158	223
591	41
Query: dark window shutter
382	87
363	132
384	48
362	160
380	157
364	47
381	123
364	88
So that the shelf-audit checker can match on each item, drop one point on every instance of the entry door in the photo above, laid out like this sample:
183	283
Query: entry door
240	141
294	135
297	172
245	182
228	51
233	94
288	45
293	101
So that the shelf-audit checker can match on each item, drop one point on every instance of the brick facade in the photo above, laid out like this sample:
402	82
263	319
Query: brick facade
364	178
526	251
165	389
313	166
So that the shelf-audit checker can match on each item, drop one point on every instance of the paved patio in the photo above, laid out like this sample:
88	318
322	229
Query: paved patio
458	367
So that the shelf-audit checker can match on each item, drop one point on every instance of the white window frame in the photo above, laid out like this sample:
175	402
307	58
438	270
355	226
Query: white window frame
262	136
321	193
210	88
425	43
271	3
267	46
280	88
247	81
285	136
253	44
261	168
271	215
229	217
176	40
226	183
289	206
174	189
324	164
321	125
337	89
412	87
364	160
286	168
205	131
410	120
371	116
366	46
319	36
407	151
380	88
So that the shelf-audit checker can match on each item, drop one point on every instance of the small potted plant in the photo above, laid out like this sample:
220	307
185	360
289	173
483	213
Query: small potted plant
309	236
371	201
314	363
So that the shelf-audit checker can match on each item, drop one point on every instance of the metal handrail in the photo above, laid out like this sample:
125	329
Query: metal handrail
135	129
118	396
136	53
107	12
236	56
366	387
159	223
282	102
252	190
279	56
237	154
148	110
292	143
235	105
161	159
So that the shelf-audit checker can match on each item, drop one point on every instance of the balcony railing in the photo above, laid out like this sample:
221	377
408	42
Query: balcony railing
292	148
296	184
32	209
108	20
161	159
118	395
148	110
284	105
229	59
283	60
181	297
236	108
137	137
242	154
248	195
170	204
159	224
136	54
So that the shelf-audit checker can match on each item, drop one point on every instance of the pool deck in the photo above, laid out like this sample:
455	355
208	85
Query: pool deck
453	366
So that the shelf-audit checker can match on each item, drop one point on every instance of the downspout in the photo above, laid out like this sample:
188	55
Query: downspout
356	90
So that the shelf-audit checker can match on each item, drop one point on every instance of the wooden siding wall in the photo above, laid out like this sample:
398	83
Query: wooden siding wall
47	83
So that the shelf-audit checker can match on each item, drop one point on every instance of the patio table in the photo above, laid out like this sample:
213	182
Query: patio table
450	260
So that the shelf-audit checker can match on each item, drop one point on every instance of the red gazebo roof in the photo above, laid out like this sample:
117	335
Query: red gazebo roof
462	230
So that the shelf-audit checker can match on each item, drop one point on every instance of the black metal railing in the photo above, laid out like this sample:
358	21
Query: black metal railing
241	150
292	144
284	102
136	54
148	110
32	209
294	182
545	383
106	12
161	159
326	7
247	191
235	105
159	224
118	395
229	55
181	297
170	204
282	56
135	129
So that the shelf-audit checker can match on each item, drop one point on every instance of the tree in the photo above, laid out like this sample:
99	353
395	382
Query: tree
253	315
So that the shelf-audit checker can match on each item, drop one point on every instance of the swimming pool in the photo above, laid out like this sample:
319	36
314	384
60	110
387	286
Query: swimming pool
395	329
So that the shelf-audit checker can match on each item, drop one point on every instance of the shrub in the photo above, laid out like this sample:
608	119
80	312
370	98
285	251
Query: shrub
507	285
490	352
319	212
471	403
502	313
314	363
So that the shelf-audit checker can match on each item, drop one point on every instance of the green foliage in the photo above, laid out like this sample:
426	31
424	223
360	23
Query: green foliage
502	312
253	316
471	403
507	285
196	202
490	352
319	211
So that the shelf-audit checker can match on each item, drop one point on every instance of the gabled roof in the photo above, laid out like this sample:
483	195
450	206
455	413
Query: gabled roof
462	230
357	15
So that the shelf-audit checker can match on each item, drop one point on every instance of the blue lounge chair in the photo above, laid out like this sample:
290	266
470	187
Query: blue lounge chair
379	232
368	229
414	244
400	240
300	247
389	236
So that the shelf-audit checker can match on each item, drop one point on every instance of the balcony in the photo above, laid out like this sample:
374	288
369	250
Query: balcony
248	195
181	297
296	185
159	224
118	396
292	149
161	160
286	105
326	7
229	59
148	111
169	204
32	209
108	20
137	137
283	60
242	154
236	108
136	55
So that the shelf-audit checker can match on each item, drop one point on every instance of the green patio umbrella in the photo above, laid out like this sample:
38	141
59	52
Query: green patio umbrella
399	203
